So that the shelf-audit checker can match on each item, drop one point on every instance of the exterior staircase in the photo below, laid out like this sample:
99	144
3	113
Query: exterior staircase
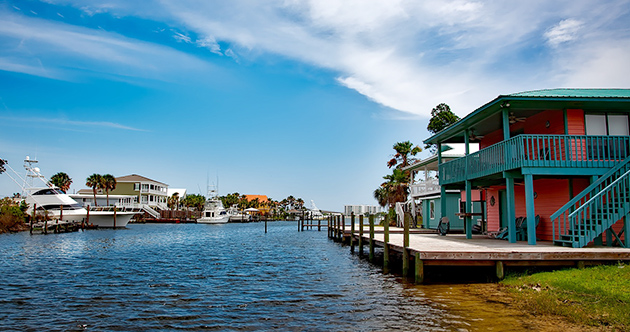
150	211
595	209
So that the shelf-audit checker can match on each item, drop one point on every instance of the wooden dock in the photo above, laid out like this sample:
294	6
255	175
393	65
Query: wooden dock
421	248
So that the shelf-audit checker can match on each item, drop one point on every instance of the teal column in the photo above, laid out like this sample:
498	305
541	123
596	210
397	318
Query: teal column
442	189
468	219
511	210
626	232
468	211
531	211
506	124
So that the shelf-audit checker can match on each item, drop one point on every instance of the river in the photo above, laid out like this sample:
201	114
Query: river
230	277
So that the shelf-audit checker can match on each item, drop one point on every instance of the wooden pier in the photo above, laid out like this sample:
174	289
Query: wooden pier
420	249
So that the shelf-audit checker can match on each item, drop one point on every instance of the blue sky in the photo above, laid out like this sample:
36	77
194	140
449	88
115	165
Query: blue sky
284	97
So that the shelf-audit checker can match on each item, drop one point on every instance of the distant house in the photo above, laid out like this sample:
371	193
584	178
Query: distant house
559	158
147	191
263	201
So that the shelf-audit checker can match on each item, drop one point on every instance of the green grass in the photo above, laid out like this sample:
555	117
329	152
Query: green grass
596	296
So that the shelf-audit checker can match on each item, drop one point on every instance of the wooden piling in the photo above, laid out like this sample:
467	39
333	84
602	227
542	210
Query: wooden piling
329	228
405	250
419	269
371	253
115	217
265	225
386	245
500	270
352	231
361	235
319	225
33	217
343	226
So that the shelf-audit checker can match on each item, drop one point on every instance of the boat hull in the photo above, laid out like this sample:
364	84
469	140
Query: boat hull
105	219
213	220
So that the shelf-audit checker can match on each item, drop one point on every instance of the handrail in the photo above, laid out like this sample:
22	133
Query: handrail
590	188
561	151
600	193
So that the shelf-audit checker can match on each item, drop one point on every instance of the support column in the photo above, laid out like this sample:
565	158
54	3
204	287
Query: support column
442	189
419	269
352	231
386	246
468	219
511	209
626	232
531	211
405	251
371	253
361	235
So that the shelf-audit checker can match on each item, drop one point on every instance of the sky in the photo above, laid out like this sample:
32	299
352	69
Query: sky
276	97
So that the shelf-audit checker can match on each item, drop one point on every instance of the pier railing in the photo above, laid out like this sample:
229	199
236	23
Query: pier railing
552	151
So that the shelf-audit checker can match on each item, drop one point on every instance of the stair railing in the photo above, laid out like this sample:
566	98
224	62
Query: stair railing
561	220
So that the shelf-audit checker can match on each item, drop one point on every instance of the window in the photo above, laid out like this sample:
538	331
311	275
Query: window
431	209
607	124
136	186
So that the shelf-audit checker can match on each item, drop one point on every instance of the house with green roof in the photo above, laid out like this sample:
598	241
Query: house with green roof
554	165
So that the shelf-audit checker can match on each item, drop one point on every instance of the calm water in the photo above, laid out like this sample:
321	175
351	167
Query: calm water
229	277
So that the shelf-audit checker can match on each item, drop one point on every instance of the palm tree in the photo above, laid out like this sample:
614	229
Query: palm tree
396	187
403	152
173	201
62	181
381	196
108	182
94	181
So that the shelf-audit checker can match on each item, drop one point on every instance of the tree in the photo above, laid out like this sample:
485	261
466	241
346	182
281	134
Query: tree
62	181
195	201
173	201
403	152
94	181
108	182
441	117
380	194
396	186
12	215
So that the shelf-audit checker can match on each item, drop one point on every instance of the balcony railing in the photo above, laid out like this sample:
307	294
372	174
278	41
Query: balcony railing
425	187
554	151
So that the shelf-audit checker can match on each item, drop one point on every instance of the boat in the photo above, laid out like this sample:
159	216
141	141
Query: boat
213	210
236	216
315	213
51	202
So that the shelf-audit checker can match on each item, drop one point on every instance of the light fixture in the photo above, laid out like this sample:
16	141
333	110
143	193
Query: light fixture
505	104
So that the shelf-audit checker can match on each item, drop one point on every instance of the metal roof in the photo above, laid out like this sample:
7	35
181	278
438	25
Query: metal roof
488	116
581	93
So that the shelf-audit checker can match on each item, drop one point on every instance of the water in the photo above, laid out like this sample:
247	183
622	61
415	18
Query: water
231	277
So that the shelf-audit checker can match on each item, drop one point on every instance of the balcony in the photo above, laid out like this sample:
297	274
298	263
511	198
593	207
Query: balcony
538	151
425	187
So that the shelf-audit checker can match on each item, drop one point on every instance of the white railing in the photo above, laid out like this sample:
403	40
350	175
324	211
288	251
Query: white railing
153	191
425	187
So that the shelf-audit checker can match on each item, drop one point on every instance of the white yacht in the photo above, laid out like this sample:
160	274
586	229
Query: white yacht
213	211
54	203
236	216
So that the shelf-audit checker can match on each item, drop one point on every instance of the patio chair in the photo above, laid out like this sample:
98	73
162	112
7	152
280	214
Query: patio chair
443	226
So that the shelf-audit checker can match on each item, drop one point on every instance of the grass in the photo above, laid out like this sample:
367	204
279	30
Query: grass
595	296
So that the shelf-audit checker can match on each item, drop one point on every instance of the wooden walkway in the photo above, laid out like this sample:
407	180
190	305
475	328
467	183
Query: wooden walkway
427	248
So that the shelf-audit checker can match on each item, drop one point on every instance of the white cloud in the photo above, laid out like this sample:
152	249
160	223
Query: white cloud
412	55
56	50
211	44
565	31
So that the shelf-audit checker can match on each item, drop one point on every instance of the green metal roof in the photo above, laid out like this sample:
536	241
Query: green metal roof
488	115
582	93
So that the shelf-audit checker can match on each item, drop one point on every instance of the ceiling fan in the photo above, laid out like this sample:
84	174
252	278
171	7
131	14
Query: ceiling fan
513	119
474	137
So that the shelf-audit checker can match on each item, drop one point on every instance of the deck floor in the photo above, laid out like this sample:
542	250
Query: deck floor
455	249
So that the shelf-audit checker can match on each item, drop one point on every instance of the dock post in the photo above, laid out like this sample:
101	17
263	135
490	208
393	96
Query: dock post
371	254
319	225
352	231
500	270
419	269
33	217
361	235
45	226
343	226
114	217
386	245
405	251
265	225
328	228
